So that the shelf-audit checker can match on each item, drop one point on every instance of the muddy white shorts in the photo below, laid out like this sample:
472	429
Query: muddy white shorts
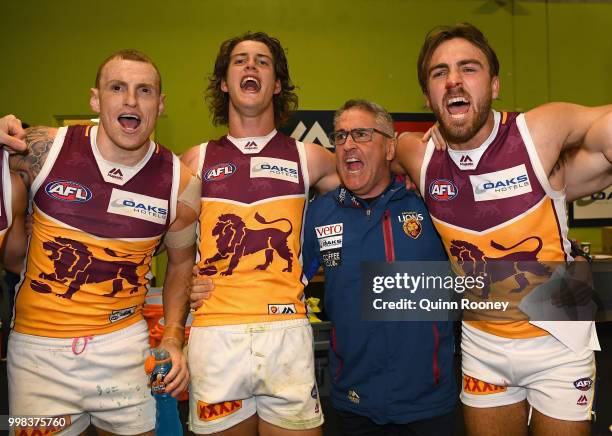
98	380
499	371
239	370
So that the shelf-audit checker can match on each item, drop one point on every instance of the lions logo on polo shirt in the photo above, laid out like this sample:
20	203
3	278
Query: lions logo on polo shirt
411	223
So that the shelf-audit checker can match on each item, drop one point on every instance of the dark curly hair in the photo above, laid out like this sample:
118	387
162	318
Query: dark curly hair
285	102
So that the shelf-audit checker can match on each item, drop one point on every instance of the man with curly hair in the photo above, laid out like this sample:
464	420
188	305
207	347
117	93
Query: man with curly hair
251	345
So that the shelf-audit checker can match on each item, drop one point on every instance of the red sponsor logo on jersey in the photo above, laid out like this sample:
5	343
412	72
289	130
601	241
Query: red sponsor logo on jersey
65	190
474	386
582	401
443	190
210	412
219	172
583	384
329	230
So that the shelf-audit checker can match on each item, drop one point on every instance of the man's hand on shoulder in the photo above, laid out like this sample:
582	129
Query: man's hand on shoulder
12	133
434	133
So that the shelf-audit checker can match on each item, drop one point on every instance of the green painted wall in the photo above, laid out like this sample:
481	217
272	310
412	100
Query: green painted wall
337	49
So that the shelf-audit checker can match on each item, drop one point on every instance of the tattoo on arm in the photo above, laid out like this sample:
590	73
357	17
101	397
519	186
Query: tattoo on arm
29	164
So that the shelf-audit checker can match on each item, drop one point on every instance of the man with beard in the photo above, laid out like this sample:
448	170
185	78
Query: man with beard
102	200
251	345
499	187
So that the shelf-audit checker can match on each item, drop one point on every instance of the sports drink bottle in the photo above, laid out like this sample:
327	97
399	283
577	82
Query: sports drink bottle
167	421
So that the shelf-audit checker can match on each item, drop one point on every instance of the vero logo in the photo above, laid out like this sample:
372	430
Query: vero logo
329	230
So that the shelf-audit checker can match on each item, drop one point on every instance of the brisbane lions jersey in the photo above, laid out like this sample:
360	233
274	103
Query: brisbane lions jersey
6	213
254	193
495	203
96	227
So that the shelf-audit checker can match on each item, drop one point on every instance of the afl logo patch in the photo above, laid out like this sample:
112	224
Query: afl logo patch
219	172
65	190
443	190
583	384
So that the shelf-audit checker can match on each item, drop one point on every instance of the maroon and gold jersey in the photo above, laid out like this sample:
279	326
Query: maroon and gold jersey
6	213
495	203
254	194
96	225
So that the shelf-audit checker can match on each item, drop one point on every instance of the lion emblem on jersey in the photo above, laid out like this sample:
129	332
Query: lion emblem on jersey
74	265
413	227
473	262
235	239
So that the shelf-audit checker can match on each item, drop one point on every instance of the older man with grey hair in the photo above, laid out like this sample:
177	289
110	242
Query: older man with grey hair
387	377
